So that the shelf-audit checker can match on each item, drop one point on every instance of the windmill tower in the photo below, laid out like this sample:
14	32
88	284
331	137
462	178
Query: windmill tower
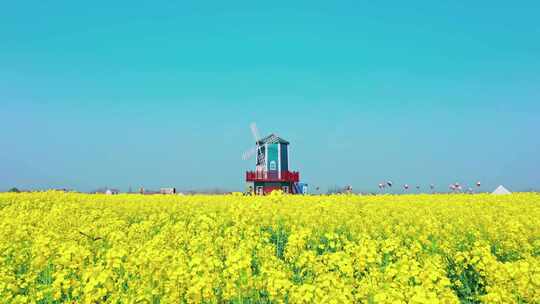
271	166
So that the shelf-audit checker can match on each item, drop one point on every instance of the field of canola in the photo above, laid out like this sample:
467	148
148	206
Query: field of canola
79	248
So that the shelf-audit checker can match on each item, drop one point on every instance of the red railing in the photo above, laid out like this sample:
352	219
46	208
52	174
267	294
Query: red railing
270	176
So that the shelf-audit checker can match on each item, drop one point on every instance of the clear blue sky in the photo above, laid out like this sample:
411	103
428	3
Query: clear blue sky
162	93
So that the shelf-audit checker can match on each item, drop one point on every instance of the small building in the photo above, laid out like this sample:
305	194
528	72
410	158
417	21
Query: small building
272	168
501	190
112	191
302	188
167	191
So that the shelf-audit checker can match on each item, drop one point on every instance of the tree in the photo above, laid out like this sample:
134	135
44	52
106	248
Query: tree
15	190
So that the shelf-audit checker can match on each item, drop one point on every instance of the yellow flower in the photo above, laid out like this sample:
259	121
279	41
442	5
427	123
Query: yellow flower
278	248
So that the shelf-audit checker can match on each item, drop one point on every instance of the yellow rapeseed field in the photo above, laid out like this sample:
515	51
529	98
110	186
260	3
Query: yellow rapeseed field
80	248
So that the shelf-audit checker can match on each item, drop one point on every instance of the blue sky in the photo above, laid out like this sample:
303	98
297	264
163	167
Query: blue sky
162	93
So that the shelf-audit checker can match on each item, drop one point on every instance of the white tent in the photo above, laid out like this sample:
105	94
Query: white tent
501	190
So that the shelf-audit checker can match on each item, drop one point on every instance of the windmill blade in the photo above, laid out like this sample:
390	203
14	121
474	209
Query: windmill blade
249	153
255	131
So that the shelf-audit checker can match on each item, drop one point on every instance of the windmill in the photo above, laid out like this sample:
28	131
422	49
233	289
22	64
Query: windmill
271	166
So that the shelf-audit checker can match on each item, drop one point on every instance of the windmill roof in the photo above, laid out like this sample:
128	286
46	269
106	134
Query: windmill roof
501	190
272	138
